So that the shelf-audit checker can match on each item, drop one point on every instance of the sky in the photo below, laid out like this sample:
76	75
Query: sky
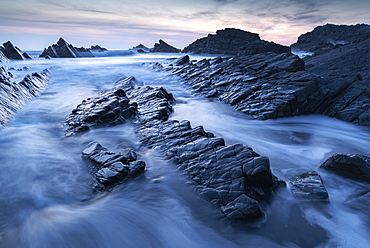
122	24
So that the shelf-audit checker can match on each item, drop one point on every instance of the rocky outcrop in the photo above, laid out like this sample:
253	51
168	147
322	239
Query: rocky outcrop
349	165
266	85
14	95
10	51
330	36
3	58
233	177
64	50
97	48
308	185
233	41
108	109
113	168
163	47
141	49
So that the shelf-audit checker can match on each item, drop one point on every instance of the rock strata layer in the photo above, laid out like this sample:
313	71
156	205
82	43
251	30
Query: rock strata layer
9	51
64	50
108	109
163	47
233	41
113	168
349	165
233	177
308	185
14	95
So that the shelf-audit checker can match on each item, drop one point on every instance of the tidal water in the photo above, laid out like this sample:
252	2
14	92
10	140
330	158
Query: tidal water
45	186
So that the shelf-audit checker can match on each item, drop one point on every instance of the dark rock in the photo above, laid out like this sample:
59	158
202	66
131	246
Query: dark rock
349	165
110	108
14	95
325	38
97	48
233	41
141	49
12	52
308	185
216	170
64	50
113	168
3	58
163	47
182	60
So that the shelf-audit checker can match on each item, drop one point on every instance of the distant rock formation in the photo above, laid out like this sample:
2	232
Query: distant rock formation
9	51
344	68
64	50
14	95
349	165
163	47
141	49
97	48
233	41
330	36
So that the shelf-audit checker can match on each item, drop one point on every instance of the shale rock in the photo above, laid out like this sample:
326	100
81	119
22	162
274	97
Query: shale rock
14	95
64	50
308	185
233	41
109	109
12	52
232	177
163	47
349	165
266	85
113	168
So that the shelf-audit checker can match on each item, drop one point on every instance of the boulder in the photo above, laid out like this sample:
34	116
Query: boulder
109	109
308	185
353	166
113	168
182	60
233	41
163	47
13	95
12	52
64	50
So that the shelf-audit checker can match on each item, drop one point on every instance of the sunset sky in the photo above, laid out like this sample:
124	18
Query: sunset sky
121	24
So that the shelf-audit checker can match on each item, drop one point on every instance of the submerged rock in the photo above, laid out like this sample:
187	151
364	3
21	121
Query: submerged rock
12	52
14	95
64	50
308	185
353	166
109	109
113	168
163	47
233	41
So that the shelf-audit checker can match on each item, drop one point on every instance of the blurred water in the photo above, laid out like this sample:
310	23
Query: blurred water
45	186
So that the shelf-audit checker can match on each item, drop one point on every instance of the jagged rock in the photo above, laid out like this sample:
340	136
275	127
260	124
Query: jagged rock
266	85
64	50
110	108
354	166
163	47
97	48
233	41
3	58
113	168
12	52
325	38
141	49
308	185
14	95
224	175
345	70
182	60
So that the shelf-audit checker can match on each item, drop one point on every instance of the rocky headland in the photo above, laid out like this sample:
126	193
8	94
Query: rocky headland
10	52
163	47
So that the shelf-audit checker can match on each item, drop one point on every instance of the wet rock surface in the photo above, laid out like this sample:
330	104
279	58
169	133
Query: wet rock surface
353	166
308	185
113	167
109	109
64	50
232	177
14	95
9	51
264	86
163	47
233	41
